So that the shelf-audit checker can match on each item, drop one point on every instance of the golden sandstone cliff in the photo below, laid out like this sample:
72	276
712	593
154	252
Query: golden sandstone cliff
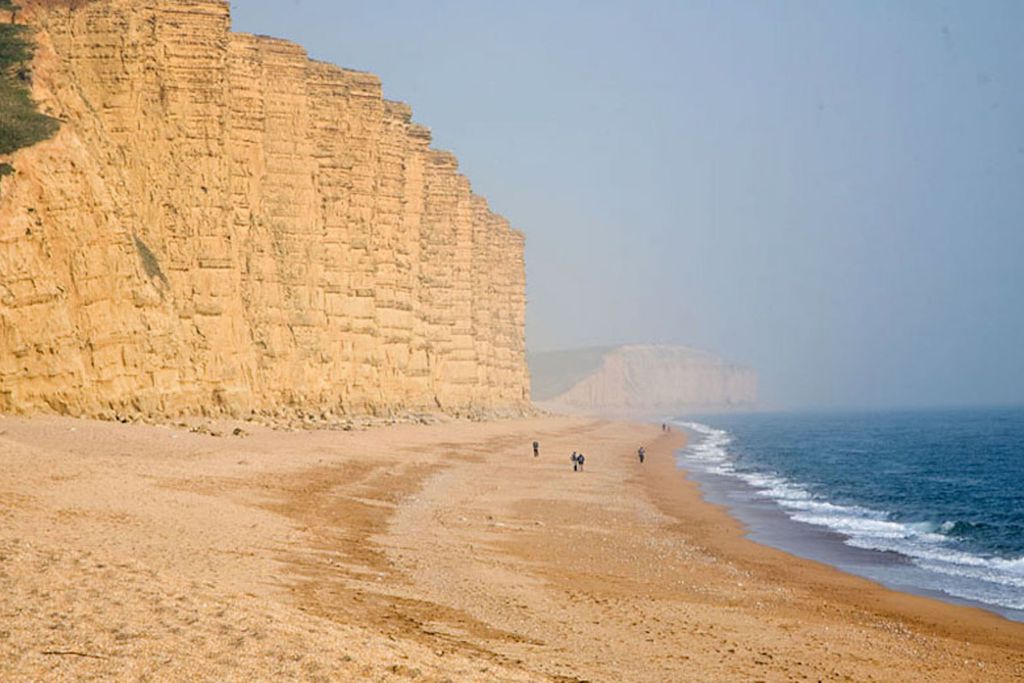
223	226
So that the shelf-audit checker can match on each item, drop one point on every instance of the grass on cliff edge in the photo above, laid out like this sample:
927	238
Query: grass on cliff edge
21	125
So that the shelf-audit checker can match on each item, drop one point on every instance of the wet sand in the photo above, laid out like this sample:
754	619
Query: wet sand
428	553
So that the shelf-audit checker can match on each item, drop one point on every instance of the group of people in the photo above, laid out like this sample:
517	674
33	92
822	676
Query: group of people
577	461
578	458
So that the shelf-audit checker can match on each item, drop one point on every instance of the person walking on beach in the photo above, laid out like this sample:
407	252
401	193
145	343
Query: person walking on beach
640	452
575	463
536	448
579	461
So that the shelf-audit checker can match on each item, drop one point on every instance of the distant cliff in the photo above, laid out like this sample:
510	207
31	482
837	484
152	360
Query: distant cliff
640	379
222	225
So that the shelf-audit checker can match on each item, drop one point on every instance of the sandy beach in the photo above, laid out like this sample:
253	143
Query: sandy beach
430	553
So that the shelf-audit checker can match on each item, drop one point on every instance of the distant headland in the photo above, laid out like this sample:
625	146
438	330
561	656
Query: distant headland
640	379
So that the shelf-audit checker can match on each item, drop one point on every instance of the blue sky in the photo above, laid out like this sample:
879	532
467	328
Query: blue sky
832	192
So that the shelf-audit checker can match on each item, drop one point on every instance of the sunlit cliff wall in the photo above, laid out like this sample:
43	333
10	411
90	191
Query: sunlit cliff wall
223	225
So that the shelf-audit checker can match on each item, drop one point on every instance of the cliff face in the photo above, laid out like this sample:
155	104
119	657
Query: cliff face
641	379
223	225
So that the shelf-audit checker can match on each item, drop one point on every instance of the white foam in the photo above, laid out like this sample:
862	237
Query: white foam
995	580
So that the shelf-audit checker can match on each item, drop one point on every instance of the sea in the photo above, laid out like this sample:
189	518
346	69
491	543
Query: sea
928	502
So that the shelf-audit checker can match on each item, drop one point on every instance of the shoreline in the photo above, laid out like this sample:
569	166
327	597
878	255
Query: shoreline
435	553
767	523
677	493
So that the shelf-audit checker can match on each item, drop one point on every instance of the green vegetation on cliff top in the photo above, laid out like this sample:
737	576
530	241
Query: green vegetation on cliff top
21	124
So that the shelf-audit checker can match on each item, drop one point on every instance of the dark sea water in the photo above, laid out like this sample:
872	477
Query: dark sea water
930	502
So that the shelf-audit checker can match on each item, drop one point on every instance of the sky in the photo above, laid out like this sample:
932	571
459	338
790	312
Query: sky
830	192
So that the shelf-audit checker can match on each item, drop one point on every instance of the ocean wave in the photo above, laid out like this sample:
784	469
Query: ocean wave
712	446
929	545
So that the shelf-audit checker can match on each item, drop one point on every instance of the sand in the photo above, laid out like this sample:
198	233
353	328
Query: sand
427	553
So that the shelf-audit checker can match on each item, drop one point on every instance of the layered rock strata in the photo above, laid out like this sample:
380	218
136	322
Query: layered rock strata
224	226
629	380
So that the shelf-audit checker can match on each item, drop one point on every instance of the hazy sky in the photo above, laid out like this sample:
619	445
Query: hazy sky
832	192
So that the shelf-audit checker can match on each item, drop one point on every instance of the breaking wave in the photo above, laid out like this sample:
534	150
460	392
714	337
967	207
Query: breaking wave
929	545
